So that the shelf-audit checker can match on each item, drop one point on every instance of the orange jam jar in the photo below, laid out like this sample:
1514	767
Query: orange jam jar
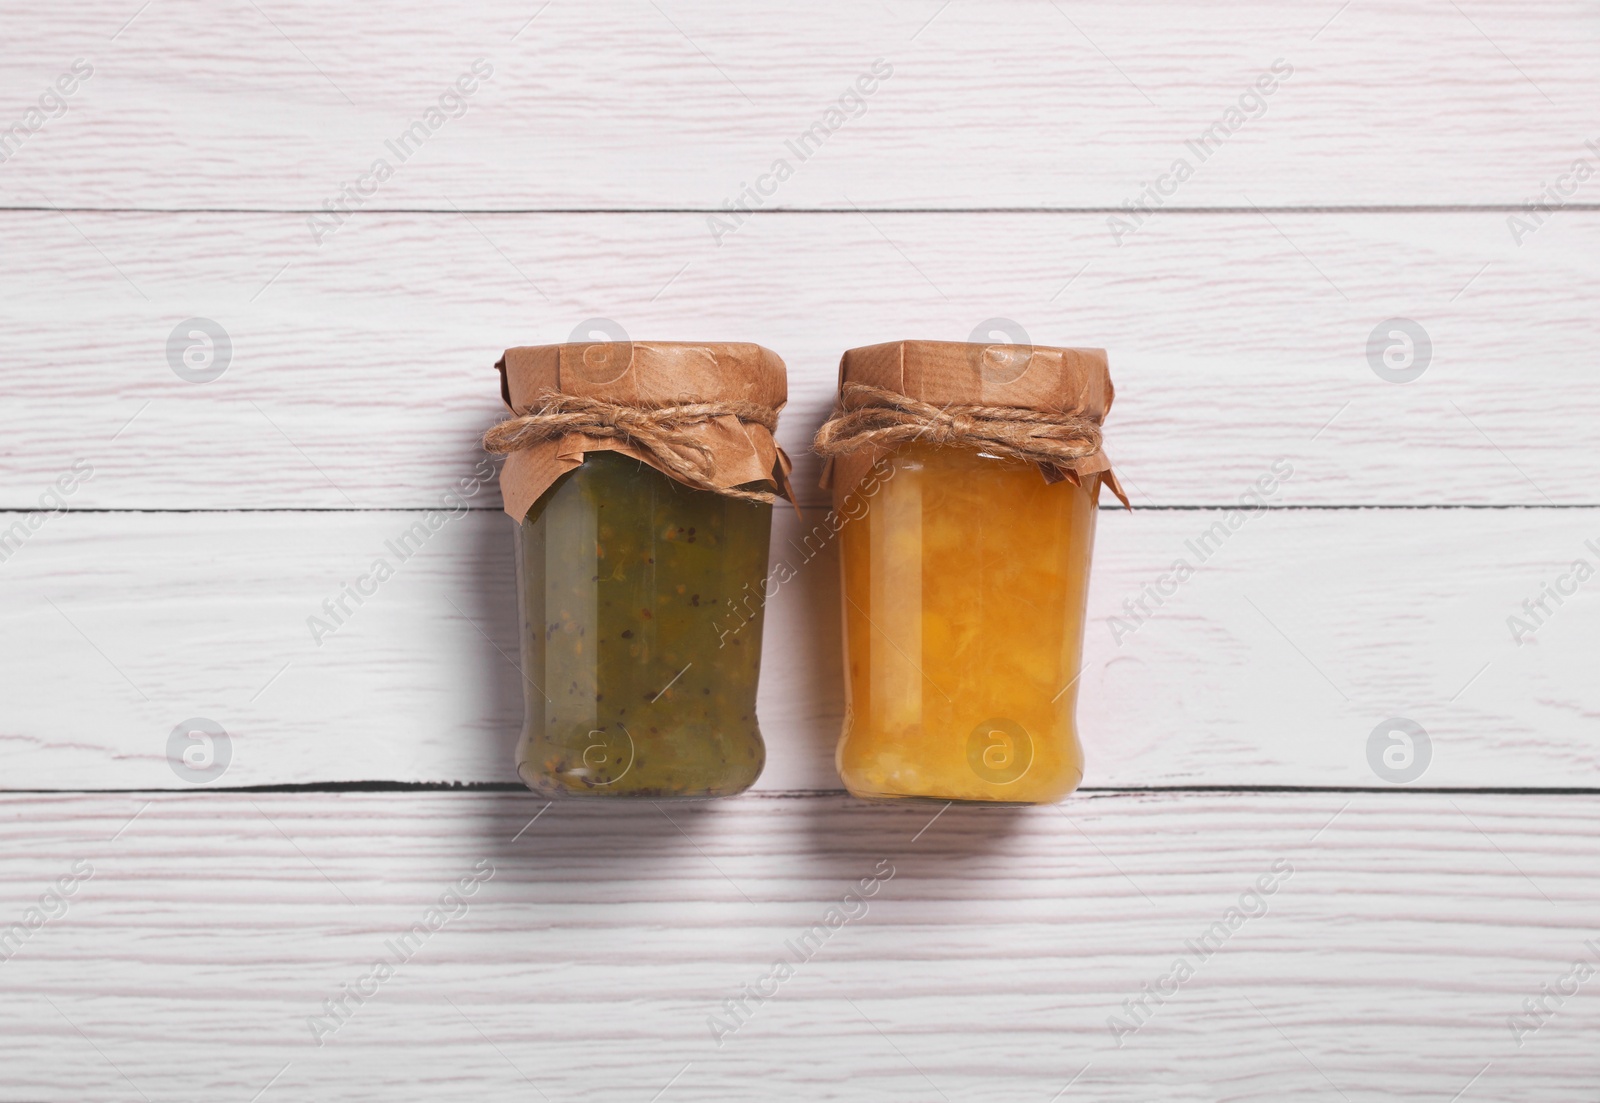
971	475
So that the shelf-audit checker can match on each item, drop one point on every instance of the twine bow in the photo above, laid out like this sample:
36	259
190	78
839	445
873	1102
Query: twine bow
660	432
869	417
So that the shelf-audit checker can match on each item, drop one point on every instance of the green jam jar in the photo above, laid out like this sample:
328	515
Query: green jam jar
639	679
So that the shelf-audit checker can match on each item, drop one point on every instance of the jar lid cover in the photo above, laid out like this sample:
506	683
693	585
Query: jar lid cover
648	375
987	380
1061	380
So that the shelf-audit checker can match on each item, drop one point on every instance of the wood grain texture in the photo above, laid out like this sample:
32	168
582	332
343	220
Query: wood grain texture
361	370
683	104
1270	666
1416	945
1401	934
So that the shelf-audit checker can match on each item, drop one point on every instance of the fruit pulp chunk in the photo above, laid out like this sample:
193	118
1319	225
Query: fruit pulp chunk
964	582
639	680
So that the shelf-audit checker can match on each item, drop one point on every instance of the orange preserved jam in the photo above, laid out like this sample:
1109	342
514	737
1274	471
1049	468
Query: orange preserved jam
965	582
971	475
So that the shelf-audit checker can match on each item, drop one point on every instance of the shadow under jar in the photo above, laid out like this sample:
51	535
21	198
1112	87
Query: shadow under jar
965	570
637	683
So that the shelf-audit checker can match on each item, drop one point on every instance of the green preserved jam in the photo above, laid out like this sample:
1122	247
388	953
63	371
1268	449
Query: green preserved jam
635	685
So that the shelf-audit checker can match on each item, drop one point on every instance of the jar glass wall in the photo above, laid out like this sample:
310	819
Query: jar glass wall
965	584
632	689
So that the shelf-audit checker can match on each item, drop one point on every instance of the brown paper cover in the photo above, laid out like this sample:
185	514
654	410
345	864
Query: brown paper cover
645	373
1059	380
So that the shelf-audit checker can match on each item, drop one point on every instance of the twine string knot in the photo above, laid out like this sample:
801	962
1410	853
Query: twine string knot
870	416
659	431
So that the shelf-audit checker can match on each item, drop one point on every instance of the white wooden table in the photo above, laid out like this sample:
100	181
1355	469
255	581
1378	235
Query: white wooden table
1247	901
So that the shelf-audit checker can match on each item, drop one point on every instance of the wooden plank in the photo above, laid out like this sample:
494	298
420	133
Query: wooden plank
687	104
1392	957
183	943
1272	665
360	373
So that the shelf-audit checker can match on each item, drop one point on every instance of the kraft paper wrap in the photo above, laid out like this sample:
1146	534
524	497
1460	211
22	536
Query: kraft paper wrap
1069	381
645	373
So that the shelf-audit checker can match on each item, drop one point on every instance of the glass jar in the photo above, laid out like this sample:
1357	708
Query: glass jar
622	574
965	581
635	685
